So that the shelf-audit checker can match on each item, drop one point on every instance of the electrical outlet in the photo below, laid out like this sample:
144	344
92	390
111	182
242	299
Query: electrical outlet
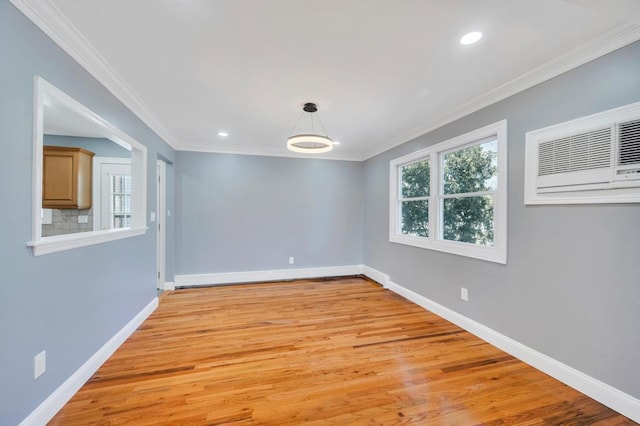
83	218
291	260
39	364
464	294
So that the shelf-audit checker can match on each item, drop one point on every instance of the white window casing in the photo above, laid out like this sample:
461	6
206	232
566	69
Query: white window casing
497	252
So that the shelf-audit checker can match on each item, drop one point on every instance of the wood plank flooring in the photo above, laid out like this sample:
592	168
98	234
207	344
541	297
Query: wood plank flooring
316	352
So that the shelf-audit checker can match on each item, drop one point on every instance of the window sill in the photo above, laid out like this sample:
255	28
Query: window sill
58	243
490	254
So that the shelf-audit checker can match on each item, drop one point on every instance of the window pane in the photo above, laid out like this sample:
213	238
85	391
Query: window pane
415	218
415	179
468	219
472	169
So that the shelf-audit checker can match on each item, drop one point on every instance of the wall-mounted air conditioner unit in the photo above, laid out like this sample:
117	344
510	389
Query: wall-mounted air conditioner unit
594	159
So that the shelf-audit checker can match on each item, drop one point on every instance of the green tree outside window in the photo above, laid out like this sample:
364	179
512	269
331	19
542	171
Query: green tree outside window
469	218
415	191
469	179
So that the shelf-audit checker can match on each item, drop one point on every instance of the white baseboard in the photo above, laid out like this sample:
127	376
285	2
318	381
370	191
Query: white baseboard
169	286
258	276
45	411
614	398
377	276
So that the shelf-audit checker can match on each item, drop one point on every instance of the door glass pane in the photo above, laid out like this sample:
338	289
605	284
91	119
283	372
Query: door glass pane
120	201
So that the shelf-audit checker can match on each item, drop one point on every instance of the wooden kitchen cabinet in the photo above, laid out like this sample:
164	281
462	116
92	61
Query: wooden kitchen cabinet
66	178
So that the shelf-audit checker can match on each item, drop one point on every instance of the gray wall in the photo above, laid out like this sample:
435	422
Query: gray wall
245	213
572	283
101	147
69	303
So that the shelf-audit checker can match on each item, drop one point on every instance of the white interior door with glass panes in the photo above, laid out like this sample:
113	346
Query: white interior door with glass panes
115	196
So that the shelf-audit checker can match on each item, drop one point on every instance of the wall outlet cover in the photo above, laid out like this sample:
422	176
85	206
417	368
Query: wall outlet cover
39	364
464	294
47	216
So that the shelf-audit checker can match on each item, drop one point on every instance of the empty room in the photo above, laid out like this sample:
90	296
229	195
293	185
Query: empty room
288	212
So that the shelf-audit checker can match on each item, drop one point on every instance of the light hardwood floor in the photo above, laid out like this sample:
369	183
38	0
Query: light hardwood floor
317	352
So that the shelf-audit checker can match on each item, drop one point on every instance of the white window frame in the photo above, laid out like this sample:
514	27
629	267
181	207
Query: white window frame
498	251
46	93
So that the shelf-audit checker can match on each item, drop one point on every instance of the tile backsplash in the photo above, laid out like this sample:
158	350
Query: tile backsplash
65	221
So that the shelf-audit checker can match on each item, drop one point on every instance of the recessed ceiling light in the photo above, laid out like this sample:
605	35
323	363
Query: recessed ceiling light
336	142
471	38
223	134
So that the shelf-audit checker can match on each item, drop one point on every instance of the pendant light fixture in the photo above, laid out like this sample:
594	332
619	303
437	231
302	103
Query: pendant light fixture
310	143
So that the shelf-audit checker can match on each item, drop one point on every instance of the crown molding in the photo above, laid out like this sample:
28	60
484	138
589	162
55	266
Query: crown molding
335	154
46	16
611	39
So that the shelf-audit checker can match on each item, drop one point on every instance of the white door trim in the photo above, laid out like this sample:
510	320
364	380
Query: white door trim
161	221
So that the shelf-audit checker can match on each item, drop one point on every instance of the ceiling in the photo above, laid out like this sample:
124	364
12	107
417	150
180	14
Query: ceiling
381	71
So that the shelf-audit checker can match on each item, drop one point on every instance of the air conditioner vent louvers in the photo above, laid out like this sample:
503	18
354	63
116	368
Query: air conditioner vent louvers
629	143
591	159
584	151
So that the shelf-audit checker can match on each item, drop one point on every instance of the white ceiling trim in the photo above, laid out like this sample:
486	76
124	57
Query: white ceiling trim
614	38
275	152
46	16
